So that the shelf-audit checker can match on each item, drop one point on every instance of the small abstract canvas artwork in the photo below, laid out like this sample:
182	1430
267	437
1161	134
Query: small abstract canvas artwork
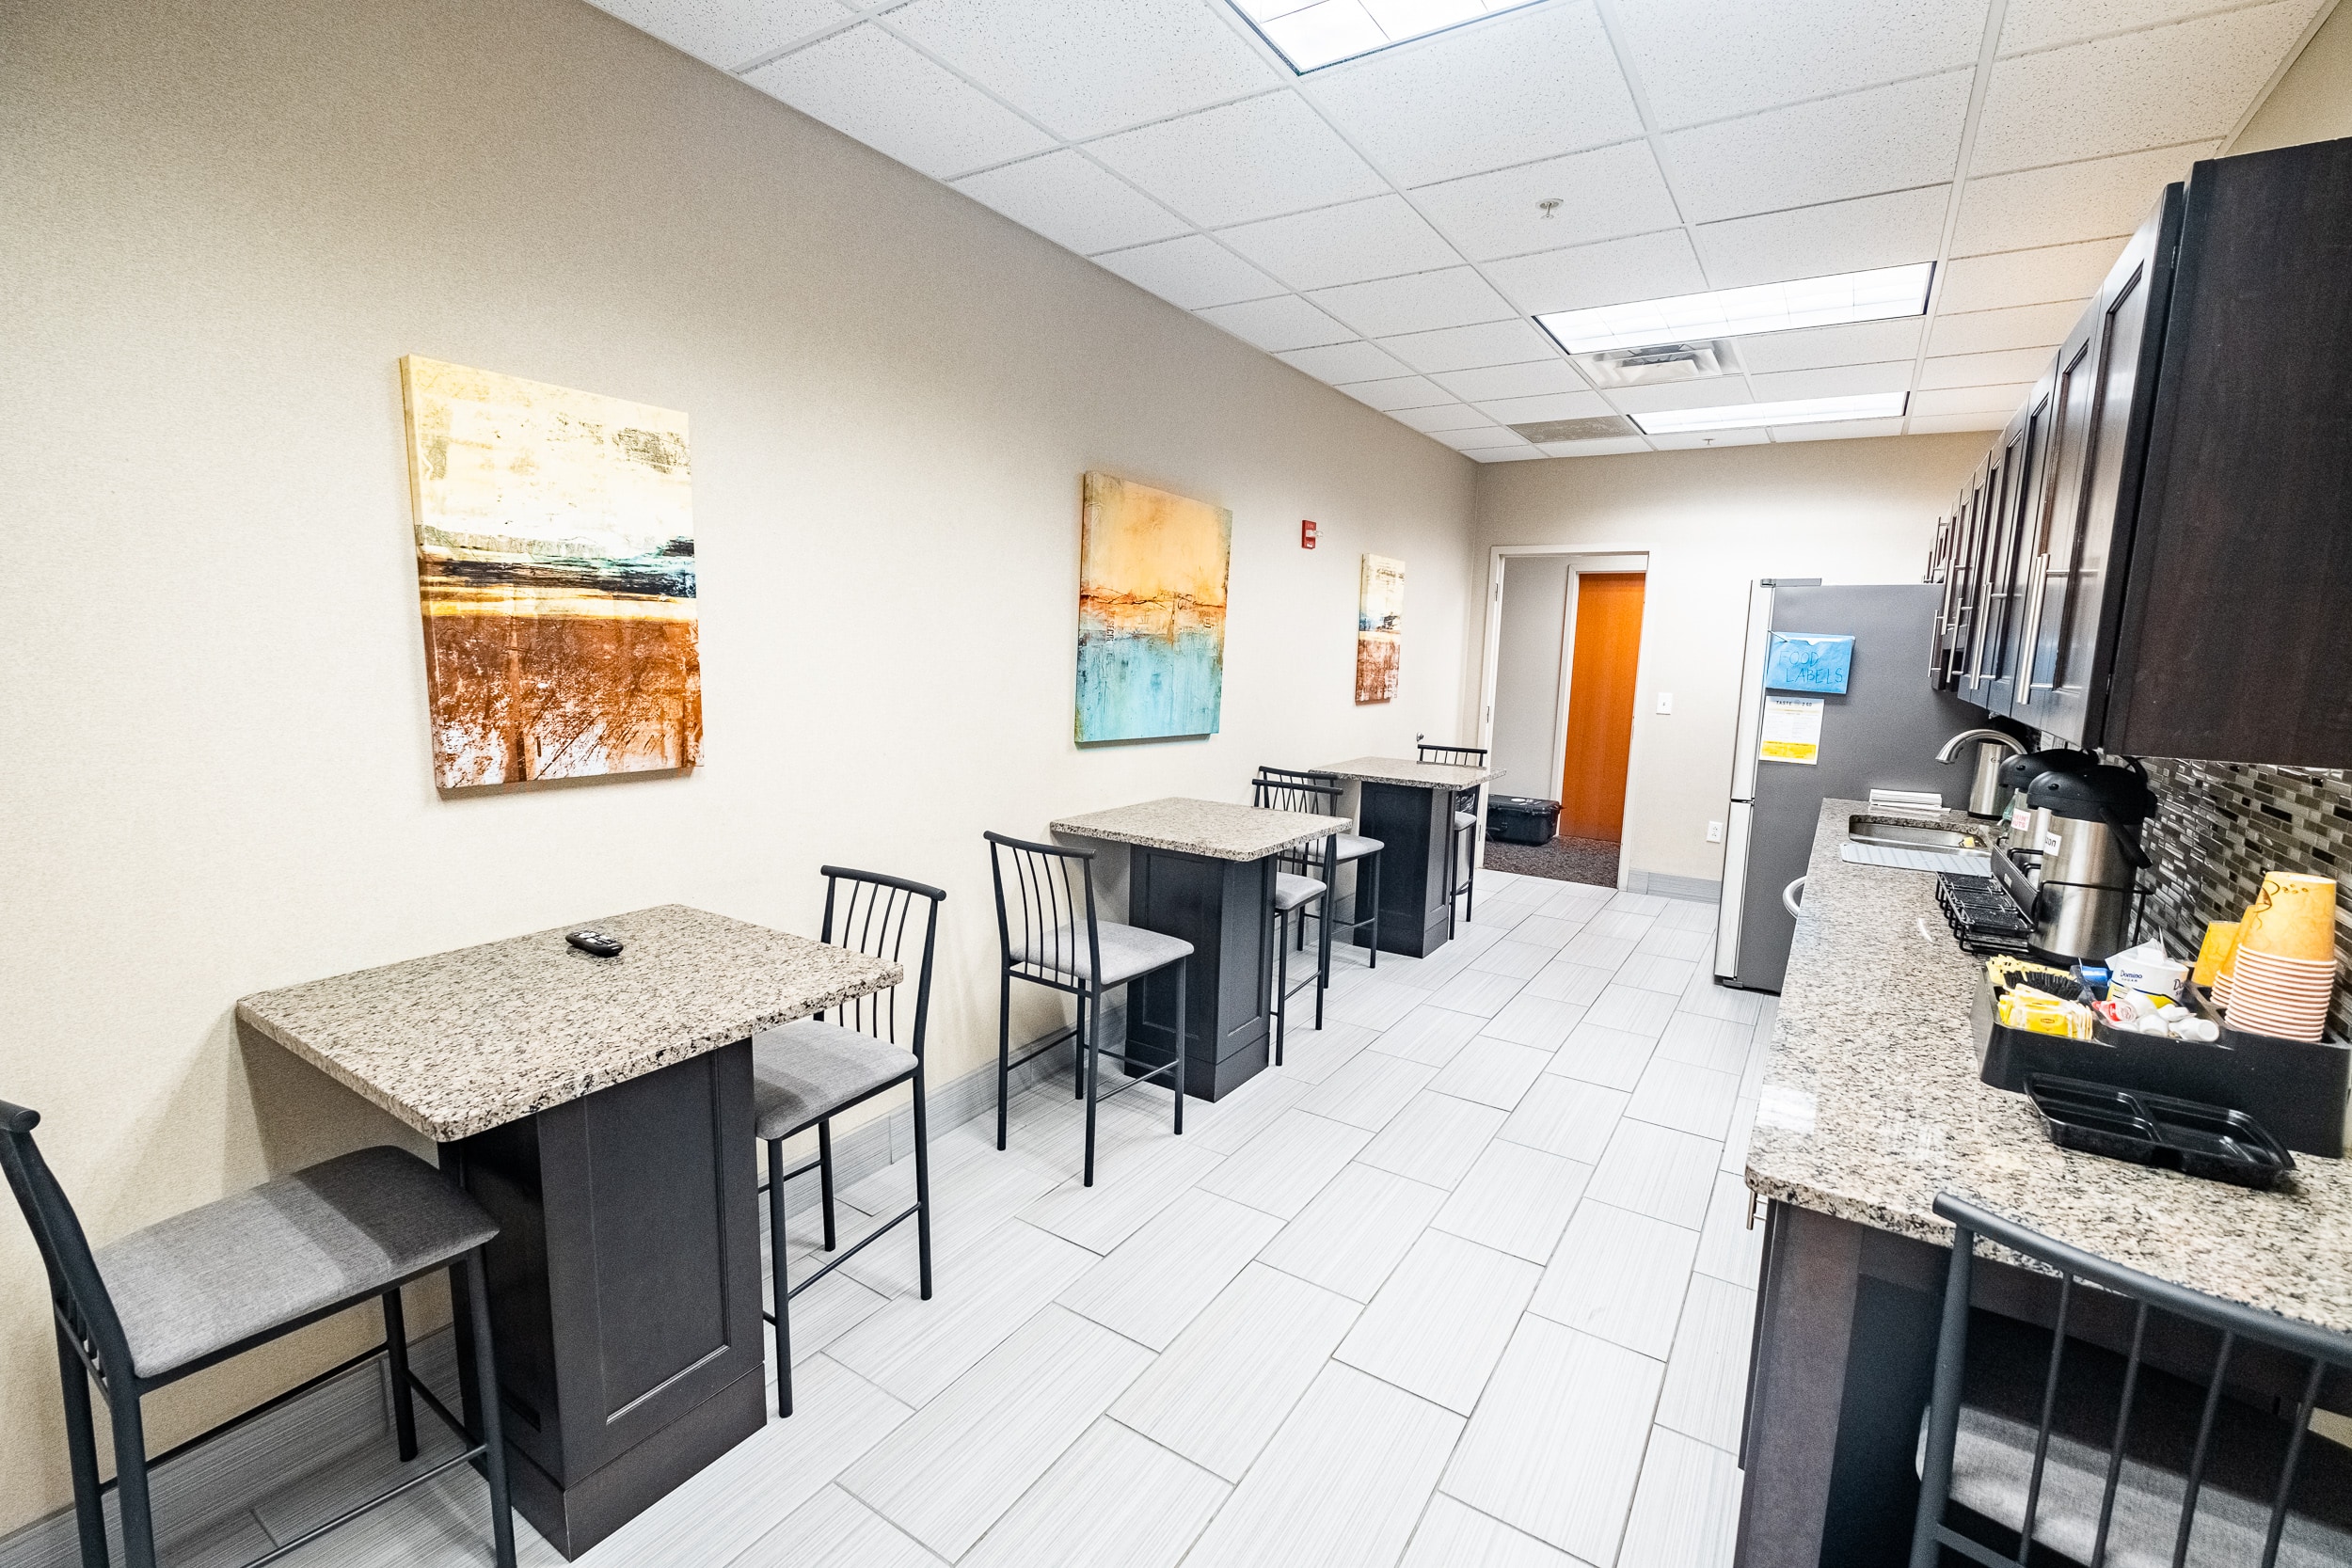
555	565
1379	629
1151	577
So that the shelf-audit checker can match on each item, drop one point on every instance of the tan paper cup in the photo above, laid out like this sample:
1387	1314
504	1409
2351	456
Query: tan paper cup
2295	917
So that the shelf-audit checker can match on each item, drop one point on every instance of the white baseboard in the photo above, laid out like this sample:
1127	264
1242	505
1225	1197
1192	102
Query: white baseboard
195	1494
1660	884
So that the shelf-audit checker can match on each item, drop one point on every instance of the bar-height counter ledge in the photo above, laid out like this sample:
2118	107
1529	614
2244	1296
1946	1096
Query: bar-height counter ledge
1409	806
600	1109
1203	870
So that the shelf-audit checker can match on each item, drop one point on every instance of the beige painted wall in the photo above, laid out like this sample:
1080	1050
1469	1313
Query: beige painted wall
228	219
1714	521
2311	99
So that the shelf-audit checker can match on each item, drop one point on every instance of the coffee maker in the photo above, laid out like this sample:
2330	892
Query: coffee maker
2079	894
2027	827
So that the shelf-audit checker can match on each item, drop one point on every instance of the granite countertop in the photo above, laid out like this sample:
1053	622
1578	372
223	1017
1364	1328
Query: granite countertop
1871	1105
461	1043
1213	828
1399	770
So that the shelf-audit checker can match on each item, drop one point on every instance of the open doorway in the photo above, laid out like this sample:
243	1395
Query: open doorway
1562	655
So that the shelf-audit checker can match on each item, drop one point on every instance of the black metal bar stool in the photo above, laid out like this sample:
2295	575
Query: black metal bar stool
1465	890
2047	1446
809	1072
1351	850
1302	876
1051	939
213	1282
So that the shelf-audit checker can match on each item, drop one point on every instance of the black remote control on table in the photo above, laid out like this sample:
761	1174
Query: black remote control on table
597	943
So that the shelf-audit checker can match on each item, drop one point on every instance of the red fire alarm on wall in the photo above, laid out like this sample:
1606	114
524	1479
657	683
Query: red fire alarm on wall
1306	536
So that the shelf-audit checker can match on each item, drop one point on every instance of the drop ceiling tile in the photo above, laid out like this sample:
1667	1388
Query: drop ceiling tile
2027	276
1837	381
1337	363
1465	348
1890	231
1554	405
1650	267
1072	202
1254	159
1940	424
1274	325
1347	243
1446	416
1085	68
1986	369
1605	194
2093	200
1519	88
1194	271
1838	430
1397	391
2189	82
2019	326
1463	440
1883	140
1863	343
866	84
1609	448
1535	379
1422	302
2044	24
1709	440
1720	393
2003	400
729	34
1521	454
1710	59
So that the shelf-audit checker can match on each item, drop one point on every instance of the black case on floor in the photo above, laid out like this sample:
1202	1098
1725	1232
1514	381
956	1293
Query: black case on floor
1522	819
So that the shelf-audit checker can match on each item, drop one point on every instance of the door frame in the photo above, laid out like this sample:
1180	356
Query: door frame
1581	559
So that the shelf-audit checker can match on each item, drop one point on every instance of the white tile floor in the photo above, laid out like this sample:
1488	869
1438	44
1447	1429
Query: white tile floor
1467	1282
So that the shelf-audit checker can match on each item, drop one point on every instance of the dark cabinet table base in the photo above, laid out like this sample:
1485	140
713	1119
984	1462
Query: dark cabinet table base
1225	909
1415	826
625	1290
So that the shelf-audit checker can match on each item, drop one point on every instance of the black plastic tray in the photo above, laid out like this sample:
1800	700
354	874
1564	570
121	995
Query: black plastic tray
2156	1129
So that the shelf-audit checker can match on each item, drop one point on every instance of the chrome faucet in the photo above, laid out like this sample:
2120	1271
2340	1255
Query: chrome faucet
1992	747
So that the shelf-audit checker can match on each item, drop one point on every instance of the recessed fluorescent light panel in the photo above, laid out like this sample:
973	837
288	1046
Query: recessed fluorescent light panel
1834	301
1750	416
1312	34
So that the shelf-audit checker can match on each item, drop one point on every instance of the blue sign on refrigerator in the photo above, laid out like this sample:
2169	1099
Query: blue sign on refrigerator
1801	661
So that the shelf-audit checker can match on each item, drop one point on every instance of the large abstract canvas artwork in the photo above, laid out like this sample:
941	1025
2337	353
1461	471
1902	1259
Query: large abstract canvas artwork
1379	629
555	562
1151	576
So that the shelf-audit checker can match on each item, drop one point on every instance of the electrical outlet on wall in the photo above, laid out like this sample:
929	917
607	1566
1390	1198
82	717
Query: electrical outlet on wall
1666	702
1714	832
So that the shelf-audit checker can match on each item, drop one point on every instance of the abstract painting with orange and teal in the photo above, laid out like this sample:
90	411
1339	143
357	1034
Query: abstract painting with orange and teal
1151	576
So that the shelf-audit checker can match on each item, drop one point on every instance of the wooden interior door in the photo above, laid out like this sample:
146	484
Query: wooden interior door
1600	703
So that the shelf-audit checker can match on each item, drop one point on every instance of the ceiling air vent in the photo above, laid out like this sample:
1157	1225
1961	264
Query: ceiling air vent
1596	429
1657	363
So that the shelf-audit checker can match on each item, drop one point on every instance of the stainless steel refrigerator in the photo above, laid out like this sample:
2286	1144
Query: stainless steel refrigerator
1882	733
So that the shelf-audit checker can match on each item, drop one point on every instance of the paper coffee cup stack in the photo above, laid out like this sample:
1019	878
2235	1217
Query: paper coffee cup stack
2282	974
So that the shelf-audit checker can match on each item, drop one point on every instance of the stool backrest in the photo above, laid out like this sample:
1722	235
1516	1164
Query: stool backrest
1043	893
1279	790
1454	757
868	913
2235	1323
76	1291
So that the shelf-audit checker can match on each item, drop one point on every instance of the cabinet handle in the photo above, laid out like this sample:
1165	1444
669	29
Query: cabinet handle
2033	634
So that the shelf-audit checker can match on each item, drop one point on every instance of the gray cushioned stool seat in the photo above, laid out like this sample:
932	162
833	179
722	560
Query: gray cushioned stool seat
1127	952
1290	892
808	1069
1465	819
1354	847
341	1231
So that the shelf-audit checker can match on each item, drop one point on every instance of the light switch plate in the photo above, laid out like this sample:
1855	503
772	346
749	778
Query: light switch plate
1714	832
1666	702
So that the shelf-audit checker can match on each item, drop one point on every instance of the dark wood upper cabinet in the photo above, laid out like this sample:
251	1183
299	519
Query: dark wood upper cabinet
2181	581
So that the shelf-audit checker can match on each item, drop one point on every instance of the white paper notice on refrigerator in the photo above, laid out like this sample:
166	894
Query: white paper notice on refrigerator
1792	730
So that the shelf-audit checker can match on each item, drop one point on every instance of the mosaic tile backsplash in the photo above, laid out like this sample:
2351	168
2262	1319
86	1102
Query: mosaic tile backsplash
2221	825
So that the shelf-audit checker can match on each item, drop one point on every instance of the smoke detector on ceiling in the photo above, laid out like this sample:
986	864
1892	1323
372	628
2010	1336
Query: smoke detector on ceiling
1657	364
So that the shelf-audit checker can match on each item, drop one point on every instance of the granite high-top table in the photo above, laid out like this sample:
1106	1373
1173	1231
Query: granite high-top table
1203	870
1409	806
600	1109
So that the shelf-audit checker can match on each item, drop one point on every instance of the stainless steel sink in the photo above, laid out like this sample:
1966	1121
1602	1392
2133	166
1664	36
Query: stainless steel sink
1909	835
